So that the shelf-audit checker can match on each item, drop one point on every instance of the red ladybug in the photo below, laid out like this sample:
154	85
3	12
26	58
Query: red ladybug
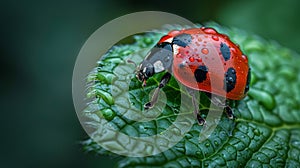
201	59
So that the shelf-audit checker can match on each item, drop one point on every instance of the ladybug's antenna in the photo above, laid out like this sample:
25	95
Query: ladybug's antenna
143	79
131	62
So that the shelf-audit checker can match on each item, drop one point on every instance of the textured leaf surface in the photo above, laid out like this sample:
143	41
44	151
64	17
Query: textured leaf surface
265	133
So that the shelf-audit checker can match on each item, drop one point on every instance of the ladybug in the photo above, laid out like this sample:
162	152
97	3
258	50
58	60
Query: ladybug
202	60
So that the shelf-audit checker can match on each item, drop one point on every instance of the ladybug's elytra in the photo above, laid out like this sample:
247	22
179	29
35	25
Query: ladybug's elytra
201	59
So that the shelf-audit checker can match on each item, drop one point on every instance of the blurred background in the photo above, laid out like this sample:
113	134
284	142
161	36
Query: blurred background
40	41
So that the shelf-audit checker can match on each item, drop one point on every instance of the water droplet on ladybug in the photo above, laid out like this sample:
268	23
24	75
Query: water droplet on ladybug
192	59
233	50
210	31
244	57
216	38
204	51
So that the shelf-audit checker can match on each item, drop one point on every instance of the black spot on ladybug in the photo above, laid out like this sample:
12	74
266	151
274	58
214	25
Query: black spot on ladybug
229	79
182	40
201	73
248	81
225	51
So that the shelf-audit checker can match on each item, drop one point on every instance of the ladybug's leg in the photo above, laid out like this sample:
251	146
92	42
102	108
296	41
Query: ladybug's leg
164	80
229	113
195	102
221	102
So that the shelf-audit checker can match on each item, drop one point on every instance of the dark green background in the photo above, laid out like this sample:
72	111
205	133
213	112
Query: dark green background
39	45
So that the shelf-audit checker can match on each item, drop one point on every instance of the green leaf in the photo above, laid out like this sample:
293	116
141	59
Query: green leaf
266	132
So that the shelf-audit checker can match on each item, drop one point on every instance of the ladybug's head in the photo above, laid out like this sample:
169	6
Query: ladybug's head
159	59
144	71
